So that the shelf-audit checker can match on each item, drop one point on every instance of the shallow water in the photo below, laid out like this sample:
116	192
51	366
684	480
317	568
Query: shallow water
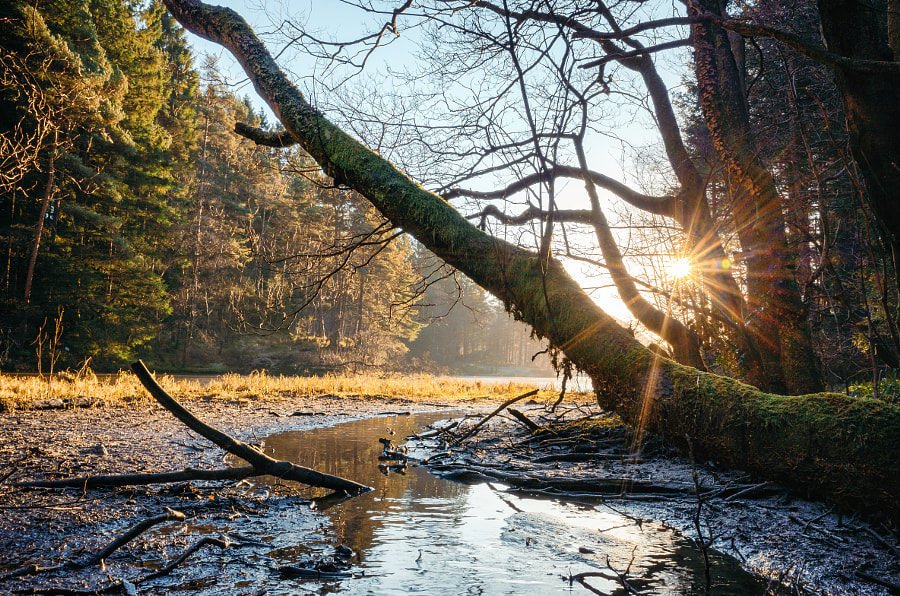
417	533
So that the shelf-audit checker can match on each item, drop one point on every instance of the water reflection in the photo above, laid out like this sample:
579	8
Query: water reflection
417	533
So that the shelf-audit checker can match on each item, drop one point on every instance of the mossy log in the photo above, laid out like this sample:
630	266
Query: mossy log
830	445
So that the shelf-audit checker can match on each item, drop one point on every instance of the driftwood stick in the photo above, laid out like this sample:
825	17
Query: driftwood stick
185	475
95	558
217	542
132	533
259	460
499	409
528	422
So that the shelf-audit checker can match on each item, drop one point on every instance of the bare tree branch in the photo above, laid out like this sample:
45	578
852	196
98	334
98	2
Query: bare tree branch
659	205
266	138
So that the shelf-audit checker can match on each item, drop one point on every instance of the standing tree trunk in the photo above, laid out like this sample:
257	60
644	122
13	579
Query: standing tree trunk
777	318
845	448
871	101
39	227
692	212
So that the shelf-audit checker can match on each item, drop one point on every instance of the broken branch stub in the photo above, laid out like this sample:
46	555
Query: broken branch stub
259	460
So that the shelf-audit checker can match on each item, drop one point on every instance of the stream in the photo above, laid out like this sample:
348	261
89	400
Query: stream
418	533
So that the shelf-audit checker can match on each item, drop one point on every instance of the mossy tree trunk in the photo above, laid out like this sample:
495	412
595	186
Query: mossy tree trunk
832	445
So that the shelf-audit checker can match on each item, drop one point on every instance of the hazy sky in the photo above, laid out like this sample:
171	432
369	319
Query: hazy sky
332	19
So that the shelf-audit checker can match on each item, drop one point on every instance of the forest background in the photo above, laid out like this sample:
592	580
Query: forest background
135	223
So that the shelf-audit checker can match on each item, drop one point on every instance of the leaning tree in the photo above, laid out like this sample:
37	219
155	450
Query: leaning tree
829	443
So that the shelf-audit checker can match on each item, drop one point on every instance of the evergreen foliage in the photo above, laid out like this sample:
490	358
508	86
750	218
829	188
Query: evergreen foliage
135	223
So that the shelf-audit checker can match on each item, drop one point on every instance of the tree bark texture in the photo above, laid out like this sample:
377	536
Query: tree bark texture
691	210
832	445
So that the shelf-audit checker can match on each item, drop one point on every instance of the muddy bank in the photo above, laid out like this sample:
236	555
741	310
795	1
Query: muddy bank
803	545
45	527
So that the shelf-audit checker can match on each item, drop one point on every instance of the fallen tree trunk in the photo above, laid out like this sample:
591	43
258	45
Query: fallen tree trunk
834	446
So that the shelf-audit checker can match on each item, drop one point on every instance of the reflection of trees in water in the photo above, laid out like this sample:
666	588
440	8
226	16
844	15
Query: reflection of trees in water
351	450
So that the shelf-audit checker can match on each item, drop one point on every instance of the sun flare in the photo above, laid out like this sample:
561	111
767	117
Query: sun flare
680	268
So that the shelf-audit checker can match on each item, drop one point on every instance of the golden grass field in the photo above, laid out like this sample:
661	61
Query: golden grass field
23	392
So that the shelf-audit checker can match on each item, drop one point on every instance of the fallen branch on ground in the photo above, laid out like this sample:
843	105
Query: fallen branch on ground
259	460
597	486
528	422
260	463
207	540
95	558
113	480
499	409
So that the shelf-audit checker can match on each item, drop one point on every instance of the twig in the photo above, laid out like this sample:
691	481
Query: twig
207	540
132	533
809	524
697	515
622	576
434	432
499	409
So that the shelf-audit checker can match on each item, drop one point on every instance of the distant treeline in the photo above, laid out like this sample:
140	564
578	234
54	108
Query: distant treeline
135	223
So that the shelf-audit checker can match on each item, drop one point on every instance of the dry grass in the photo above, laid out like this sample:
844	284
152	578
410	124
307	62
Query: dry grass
123	389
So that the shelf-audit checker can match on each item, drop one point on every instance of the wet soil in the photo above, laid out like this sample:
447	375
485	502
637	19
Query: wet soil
799	545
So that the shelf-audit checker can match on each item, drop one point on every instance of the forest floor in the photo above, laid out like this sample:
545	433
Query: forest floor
804	546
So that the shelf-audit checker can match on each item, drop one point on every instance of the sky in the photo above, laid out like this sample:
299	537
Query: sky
334	19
